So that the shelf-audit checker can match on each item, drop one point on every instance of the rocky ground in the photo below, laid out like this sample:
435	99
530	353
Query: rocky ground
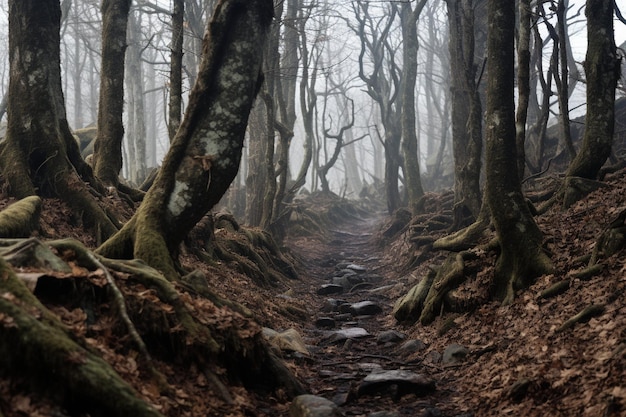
334	326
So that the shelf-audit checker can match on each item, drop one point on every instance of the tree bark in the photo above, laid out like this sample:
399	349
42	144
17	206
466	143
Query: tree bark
204	156
521	258
410	144
176	68
523	84
602	68
467	135
107	156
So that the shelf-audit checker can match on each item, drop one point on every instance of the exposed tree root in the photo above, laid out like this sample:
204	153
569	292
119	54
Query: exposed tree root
20	218
176	328
425	300
583	316
36	346
612	240
467	237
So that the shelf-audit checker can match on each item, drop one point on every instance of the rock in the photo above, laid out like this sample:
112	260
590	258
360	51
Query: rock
365	308
390	336
287	341
344	273
330	289
331	305
384	414
313	406
356	268
350	333
325	322
454	354
412	346
397	382
343	282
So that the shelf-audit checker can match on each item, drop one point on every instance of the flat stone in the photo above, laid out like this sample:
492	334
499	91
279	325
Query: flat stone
330	289
350	333
390	336
454	354
399	382
356	268
412	346
313	406
365	308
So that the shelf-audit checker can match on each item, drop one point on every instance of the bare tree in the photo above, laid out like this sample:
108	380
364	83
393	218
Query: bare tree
107	157
410	45
521	258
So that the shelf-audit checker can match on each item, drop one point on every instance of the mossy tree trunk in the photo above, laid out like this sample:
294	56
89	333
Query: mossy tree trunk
602	68
107	157
40	154
204	156
521	258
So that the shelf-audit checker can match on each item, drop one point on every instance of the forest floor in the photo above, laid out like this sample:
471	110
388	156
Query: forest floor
492	361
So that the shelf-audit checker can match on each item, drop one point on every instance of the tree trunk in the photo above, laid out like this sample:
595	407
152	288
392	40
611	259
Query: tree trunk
466	112
410	146
176	68
107	156
523	84
521	258
40	154
204	156
602	67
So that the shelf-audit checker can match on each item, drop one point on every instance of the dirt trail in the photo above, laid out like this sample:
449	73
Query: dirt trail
339	365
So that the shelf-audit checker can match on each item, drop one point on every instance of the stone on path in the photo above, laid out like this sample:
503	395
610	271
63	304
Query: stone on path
330	289
399	382
287	341
454	354
390	336
365	308
350	333
412	346
313	406
356	268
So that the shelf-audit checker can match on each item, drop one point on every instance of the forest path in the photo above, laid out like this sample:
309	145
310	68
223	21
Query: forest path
360	358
